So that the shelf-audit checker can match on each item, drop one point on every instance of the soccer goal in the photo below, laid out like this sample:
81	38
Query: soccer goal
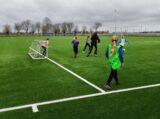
36	51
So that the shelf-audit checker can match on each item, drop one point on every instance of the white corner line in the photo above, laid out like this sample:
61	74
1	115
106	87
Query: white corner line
76	75
35	108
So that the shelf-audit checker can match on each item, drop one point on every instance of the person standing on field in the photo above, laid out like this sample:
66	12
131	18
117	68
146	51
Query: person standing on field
45	44
88	43
94	39
114	54
75	43
122	42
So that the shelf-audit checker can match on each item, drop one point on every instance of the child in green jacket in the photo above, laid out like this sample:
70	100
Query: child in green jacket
114	54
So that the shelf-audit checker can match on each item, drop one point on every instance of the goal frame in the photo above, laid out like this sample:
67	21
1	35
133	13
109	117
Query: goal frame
39	53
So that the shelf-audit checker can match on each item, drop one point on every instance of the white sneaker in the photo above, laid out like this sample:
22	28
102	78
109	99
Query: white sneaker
107	86
95	55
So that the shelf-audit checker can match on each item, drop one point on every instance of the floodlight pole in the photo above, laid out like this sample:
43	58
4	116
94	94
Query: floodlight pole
115	12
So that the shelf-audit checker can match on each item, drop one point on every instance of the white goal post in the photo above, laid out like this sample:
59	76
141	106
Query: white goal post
37	51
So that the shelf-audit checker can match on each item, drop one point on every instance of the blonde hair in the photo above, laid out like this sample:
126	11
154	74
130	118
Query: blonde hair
113	48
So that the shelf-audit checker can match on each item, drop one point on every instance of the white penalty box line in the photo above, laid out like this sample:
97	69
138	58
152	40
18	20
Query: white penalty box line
71	72
76	75
35	105
102	92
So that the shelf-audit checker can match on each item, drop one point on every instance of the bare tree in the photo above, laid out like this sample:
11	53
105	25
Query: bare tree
18	27
64	28
70	26
56	29
26	25
47	25
7	29
75	31
33	29
84	28
38	27
44	30
97	25
91	30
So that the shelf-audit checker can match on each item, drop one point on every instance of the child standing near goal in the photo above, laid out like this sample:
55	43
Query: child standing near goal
75	43
45	44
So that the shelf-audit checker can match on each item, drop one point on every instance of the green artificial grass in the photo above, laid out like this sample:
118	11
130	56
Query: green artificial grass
24	81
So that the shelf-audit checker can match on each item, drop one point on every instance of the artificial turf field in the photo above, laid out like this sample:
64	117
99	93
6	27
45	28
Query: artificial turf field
25	81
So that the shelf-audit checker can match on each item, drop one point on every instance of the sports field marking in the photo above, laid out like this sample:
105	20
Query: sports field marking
35	108
76	75
35	105
71	72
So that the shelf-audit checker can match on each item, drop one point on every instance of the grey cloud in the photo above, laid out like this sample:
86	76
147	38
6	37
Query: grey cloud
129	12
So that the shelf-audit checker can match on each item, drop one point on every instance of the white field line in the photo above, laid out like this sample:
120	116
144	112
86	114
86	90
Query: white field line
76	75
35	108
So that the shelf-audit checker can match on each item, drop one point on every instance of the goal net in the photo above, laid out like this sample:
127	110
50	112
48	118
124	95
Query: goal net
36	51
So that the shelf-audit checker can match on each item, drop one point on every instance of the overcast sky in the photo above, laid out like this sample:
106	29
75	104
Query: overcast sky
87	12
